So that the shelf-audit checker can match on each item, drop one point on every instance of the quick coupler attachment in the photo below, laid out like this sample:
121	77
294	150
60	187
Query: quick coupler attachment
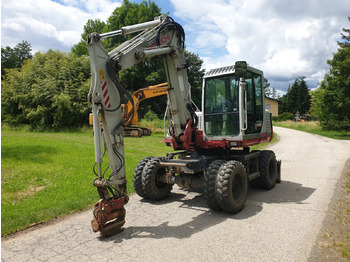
109	216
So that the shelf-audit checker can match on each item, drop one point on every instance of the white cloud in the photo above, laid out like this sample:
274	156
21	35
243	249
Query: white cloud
207	39
285	39
43	22
218	61
13	26
286	63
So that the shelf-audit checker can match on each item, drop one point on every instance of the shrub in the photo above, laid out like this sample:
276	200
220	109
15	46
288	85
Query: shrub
285	116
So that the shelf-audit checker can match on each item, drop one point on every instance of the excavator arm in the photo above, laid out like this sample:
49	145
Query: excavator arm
161	37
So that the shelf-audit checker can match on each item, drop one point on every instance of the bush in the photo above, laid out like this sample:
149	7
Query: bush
285	116
150	116
332	124
48	92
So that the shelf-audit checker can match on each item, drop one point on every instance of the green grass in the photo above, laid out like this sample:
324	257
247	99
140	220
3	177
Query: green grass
47	175
315	128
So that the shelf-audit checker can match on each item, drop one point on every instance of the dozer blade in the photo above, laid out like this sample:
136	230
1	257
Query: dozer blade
109	216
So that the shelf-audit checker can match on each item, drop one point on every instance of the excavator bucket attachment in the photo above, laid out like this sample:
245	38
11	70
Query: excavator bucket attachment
109	217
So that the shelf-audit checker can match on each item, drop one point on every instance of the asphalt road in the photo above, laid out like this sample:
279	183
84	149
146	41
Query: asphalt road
277	225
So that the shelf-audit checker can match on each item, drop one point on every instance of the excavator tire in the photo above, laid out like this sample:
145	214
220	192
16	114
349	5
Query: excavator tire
210	178
137	177
232	187
267	169
153	188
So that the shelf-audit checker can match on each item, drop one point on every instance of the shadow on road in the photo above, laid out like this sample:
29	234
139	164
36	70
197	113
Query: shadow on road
206	218
286	192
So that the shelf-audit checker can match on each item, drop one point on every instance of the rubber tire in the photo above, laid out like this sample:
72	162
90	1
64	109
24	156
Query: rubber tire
232	187
267	169
153	188
137	176
210	181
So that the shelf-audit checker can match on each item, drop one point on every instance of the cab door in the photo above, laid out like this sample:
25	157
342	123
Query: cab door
254	105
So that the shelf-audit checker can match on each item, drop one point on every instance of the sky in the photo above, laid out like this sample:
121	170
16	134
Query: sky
285	39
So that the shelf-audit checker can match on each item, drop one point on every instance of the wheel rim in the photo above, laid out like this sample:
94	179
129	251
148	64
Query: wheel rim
158	183
237	188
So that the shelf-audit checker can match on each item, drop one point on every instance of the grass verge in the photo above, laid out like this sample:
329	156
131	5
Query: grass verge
334	243
315	128
48	175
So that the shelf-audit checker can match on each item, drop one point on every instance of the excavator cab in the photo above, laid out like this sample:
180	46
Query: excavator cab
233	104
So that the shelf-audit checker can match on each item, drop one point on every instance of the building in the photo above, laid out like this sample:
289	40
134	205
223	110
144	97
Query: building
271	105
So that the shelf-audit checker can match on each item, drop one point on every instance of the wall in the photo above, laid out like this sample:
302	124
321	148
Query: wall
271	105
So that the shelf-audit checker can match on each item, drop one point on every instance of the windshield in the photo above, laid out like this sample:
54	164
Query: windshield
221	106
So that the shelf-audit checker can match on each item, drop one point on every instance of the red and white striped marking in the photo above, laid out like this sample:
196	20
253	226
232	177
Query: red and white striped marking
105	94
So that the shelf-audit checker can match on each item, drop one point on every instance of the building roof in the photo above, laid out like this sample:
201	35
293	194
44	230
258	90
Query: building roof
274	99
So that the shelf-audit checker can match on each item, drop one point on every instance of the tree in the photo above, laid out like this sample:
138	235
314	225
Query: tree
331	101
49	91
266	86
267	90
297	98
274	93
195	74
90	27
346	38
14	57
129	14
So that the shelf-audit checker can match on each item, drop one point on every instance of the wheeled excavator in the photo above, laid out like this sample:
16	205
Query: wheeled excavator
211	149
131	109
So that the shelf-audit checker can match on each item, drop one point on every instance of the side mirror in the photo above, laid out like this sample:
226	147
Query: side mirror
241	69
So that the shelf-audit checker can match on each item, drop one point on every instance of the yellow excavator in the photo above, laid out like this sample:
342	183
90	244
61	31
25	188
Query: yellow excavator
132	129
